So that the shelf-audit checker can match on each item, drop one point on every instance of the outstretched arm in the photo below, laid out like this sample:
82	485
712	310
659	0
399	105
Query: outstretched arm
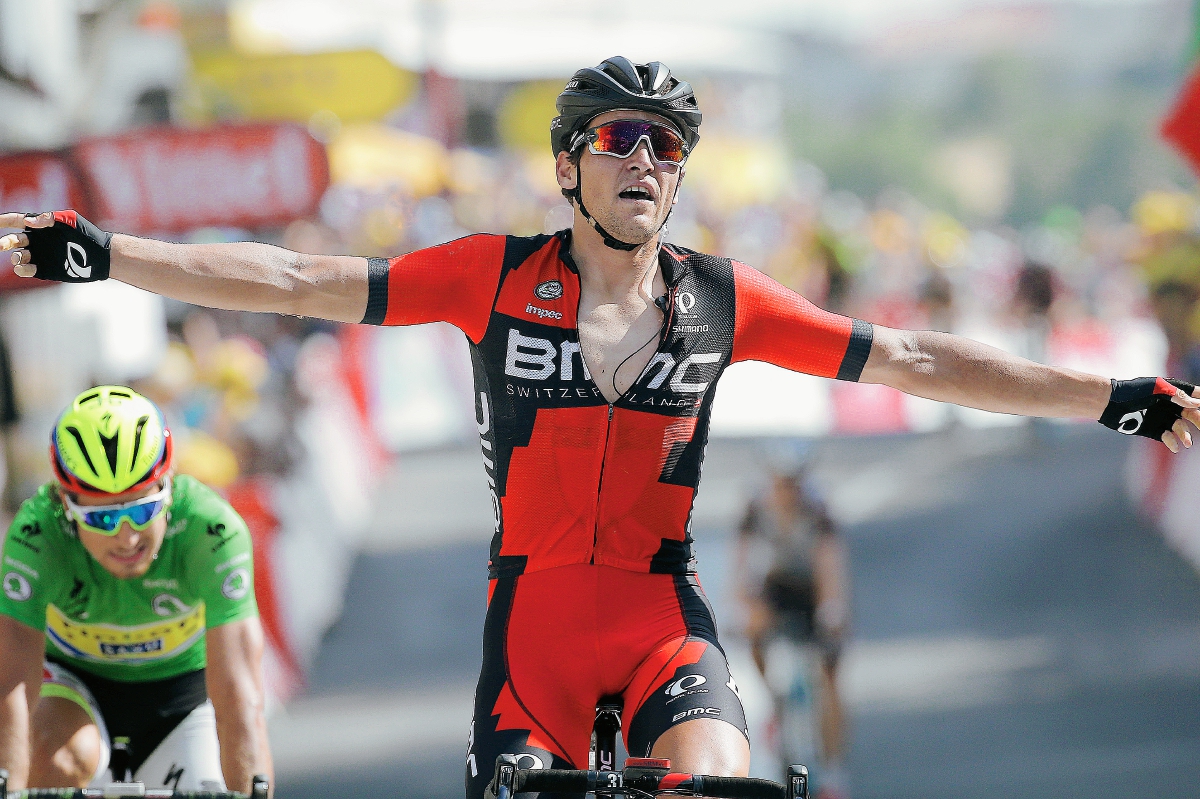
948	368
240	277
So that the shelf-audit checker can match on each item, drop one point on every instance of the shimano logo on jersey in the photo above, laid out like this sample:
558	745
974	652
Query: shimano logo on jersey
1131	422
77	268
685	684
696	711
542	313
16	564
550	290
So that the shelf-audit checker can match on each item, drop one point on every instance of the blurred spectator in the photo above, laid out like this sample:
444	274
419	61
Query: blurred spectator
1033	296
790	570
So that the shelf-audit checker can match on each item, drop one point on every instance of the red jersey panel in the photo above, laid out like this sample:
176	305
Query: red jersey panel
575	479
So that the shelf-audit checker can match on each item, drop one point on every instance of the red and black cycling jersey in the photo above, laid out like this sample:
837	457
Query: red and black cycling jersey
573	478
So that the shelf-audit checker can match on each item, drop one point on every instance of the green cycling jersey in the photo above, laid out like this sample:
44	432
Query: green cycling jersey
140	629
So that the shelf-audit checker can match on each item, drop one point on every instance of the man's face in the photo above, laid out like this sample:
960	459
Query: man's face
610	185
129	553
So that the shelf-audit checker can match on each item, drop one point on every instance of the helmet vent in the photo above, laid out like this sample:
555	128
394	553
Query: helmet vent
124	394
110	450
88	398
74	431
137	437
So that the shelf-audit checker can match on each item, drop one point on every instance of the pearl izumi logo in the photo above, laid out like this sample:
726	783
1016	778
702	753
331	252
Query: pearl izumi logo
76	263
687	301
167	605
685	684
1131	422
550	290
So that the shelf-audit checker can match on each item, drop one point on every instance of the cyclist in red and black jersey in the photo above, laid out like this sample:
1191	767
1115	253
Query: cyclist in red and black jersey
596	354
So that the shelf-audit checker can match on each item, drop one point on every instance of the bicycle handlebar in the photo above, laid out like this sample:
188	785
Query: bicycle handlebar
640	781
259	789
568	781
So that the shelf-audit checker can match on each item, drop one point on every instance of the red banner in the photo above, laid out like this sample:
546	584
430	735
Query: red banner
33	182
1182	124
168	180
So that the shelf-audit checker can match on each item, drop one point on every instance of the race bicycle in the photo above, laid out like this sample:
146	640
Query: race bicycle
260	787
641	777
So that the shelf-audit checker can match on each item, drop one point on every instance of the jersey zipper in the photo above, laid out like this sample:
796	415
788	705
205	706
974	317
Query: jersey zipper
600	485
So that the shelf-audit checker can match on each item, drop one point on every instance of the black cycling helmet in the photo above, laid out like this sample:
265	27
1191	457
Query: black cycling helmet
618	83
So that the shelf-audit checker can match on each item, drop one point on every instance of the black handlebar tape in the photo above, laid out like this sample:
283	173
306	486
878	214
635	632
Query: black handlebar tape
736	787
552	780
571	781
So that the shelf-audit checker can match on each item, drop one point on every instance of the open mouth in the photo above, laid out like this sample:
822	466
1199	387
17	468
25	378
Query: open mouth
636	193
128	558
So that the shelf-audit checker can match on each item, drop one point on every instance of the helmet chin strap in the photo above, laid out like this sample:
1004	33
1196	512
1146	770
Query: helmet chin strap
609	239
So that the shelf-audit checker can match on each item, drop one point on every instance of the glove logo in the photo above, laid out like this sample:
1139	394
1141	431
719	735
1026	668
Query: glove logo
77	269
1131	422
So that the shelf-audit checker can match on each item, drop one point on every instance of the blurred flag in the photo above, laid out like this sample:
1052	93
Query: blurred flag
1181	127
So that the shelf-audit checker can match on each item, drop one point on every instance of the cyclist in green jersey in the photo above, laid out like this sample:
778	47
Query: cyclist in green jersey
127	616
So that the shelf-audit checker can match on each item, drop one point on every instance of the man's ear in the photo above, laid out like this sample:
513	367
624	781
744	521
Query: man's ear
566	173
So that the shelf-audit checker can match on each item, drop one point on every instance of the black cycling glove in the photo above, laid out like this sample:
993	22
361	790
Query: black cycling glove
1143	407
73	250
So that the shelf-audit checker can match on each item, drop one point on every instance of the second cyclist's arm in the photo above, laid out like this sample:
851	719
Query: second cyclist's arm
235	686
949	368
20	687
245	277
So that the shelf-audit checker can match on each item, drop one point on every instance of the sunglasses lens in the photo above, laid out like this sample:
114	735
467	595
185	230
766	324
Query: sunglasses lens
667	145
104	520
621	136
109	519
618	138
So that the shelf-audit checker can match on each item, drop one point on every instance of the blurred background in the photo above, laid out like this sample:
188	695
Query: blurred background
1025	595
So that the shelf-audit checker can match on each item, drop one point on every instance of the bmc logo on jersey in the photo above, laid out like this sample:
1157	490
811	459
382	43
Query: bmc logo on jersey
534	358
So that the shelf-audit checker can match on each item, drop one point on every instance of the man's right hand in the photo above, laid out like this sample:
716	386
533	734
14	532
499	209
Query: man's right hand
56	245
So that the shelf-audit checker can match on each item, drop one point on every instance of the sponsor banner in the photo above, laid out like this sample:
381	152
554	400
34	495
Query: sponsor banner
34	182
354	86
168	180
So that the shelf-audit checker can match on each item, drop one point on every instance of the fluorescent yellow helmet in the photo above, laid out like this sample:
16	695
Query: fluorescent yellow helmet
110	440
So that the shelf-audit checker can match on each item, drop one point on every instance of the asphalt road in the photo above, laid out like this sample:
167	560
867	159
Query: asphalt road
1019	631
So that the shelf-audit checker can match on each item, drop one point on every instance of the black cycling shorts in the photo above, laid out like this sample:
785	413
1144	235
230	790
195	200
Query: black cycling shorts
144	712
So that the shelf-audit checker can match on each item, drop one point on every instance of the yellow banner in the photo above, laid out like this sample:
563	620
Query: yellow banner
355	86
